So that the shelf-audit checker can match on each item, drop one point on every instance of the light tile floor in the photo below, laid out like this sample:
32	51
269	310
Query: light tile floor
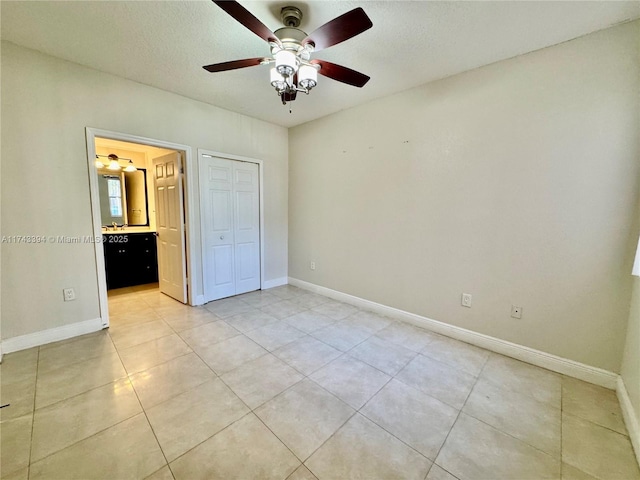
286	384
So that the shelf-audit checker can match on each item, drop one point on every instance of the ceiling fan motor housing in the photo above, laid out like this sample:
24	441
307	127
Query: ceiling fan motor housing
291	16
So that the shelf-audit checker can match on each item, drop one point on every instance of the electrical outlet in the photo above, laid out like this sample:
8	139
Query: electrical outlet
516	312
466	300
312	265
69	294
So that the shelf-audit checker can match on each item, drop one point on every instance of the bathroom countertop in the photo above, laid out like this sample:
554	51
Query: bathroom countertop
128	230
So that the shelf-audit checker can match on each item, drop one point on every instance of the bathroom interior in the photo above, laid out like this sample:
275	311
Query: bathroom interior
128	213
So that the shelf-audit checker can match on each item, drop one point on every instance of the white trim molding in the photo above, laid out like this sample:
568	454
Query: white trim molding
578	370
43	337
276	282
630	416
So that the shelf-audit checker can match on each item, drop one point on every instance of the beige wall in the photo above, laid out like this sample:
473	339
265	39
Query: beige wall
46	105
515	182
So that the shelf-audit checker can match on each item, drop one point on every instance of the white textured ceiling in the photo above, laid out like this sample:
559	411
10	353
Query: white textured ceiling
166	43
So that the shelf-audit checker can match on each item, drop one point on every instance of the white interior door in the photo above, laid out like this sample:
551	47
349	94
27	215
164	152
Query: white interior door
172	269
230	203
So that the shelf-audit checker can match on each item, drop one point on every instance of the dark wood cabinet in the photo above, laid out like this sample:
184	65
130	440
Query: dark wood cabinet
130	259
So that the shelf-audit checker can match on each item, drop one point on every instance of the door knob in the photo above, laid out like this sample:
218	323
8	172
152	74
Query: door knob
221	237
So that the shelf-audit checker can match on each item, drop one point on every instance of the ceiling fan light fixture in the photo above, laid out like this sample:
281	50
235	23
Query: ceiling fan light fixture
307	77
277	80
286	63
291	49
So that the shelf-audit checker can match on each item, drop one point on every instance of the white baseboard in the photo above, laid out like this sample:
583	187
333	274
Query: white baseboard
43	337
539	358
630	416
199	300
276	282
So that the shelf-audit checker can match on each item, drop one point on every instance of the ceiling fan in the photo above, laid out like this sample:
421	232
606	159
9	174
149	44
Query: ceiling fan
291	48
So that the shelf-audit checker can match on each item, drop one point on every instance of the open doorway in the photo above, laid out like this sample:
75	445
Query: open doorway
139	213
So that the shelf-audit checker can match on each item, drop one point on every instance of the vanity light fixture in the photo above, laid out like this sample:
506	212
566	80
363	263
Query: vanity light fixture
114	163
130	167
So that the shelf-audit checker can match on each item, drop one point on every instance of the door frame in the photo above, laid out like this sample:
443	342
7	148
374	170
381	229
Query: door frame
238	158
190	175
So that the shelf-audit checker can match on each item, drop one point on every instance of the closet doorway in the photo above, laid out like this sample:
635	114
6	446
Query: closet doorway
230	202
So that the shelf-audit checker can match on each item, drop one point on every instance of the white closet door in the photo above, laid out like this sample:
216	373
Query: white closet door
230	205
246	226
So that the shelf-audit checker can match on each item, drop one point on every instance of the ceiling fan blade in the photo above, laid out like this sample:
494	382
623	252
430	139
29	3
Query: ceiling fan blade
339	29
341	74
224	66
243	16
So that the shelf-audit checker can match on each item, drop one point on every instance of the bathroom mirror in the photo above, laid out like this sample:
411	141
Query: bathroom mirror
123	198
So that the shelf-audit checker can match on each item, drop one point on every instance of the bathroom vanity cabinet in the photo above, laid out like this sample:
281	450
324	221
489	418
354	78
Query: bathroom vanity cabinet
130	259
